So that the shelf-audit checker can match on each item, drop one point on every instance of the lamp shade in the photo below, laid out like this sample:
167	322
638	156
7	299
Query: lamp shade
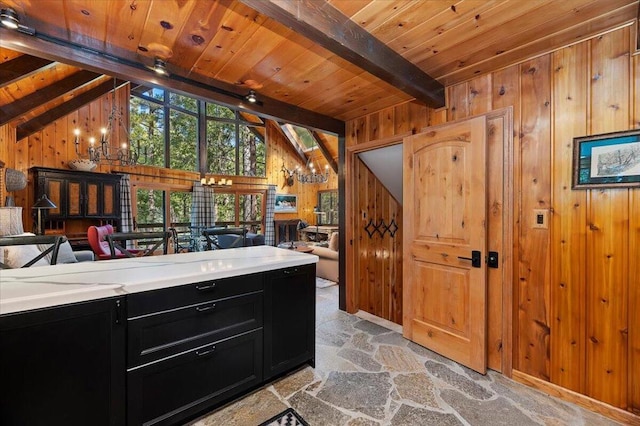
44	203
15	180
11	221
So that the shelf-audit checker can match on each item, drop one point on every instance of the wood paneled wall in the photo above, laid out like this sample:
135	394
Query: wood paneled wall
280	151
576	320
53	147
376	266
379	257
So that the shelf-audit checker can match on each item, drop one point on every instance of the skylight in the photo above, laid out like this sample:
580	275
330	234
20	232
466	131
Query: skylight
299	136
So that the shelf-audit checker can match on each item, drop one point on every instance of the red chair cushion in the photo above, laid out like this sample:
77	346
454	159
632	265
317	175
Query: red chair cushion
99	245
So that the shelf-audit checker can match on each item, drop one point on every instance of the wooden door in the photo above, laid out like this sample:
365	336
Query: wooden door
445	217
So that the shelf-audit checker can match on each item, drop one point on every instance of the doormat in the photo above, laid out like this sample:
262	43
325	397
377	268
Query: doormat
322	283
288	417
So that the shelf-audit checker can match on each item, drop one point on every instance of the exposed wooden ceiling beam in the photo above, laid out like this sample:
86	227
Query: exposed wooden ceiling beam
41	121
325	151
198	86
21	67
24	105
325	25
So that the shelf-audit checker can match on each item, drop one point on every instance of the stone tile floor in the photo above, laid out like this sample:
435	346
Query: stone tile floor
367	375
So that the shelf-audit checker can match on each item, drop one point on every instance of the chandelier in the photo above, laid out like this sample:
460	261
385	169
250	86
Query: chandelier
310	176
105	152
221	183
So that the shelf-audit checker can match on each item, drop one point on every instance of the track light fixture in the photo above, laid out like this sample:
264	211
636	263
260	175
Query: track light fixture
9	18
251	97
159	66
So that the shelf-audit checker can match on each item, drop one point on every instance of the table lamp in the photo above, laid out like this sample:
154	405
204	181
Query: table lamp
43	203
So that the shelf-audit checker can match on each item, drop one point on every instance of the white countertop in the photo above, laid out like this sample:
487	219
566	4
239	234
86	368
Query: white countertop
45	286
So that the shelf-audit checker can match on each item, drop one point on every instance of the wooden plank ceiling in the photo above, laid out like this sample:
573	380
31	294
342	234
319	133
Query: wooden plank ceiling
342	72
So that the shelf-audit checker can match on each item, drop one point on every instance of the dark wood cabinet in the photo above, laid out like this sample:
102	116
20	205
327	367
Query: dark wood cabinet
289	319
192	347
64	365
181	386
79	195
171	355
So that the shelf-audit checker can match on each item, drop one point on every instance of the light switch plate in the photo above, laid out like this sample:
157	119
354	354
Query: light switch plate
541	218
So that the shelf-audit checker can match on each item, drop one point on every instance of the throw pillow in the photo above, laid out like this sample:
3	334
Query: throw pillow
333	242
18	256
65	253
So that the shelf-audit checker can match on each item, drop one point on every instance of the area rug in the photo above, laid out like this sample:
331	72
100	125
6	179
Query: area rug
288	417
322	283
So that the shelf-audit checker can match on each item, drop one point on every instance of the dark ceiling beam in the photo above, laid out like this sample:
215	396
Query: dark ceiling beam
200	87
325	151
40	122
59	88
325	25
21	67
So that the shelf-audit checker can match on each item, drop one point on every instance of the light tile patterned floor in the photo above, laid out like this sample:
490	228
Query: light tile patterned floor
368	375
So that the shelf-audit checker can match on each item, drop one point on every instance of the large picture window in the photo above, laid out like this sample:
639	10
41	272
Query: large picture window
167	130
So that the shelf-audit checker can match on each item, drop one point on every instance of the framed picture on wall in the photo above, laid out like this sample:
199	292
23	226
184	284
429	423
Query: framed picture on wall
286	203
608	160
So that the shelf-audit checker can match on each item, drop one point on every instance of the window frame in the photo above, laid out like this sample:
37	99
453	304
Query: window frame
202	119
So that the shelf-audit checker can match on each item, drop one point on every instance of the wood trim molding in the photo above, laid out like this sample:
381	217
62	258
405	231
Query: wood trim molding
351	289
507	239
378	143
591	404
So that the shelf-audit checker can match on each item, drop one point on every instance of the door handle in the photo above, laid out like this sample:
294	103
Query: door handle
476	256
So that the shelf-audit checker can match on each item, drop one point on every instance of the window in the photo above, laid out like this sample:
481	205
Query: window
244	209
167	130
150	210
235	142
328	204
154	205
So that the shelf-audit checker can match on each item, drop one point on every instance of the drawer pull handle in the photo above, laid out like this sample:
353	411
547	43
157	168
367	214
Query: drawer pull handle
206	308
204	352
205	287
290	271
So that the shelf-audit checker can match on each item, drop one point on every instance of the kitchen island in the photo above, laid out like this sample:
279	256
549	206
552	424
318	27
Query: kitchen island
153	340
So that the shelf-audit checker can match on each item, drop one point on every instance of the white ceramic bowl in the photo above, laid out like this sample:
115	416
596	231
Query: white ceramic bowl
82	164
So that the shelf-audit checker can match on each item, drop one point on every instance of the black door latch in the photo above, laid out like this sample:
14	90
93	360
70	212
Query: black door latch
476	258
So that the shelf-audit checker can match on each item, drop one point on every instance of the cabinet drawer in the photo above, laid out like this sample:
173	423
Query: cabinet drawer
169	298
171	390
156	336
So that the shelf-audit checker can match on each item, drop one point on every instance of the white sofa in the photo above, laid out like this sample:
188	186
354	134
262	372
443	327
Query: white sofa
327	266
